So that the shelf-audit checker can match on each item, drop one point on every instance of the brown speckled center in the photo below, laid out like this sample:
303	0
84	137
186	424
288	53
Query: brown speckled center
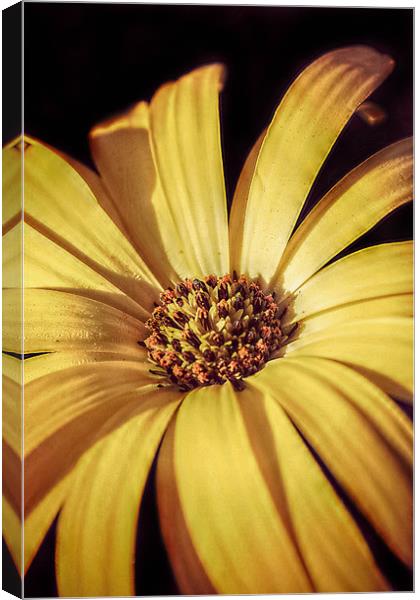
212	331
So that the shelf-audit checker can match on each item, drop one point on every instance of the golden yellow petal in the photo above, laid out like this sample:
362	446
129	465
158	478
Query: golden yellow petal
327	537
239	202
361	199
96	533
48	265
12	247
44	364
356	434
400	305
122	152
39	520
78	391
235	526
306	124
380	348
62	321
185	136
12	412
186	565
60	204
12	184
383	270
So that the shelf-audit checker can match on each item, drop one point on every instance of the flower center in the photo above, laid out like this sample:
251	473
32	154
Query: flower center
212	331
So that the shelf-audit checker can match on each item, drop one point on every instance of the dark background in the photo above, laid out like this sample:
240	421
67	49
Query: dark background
85	62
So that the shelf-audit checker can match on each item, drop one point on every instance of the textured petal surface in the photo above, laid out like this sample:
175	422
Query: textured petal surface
74	323
122	151
361	199
236	529
185	134
60	204
97	528
57	399
341	414
400	305
306	124
325	533
11	184
44	364
375	272
380	348
48	265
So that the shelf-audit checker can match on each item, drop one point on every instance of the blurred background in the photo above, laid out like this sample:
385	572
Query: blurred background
86	62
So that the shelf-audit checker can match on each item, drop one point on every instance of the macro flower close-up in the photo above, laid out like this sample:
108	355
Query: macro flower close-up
260	369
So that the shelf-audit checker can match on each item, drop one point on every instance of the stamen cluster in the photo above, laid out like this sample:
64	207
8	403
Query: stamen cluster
212	331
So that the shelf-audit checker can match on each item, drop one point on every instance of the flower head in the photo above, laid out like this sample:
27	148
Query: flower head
238	353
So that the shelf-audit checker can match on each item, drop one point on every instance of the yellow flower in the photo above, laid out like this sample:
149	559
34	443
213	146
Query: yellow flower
302	355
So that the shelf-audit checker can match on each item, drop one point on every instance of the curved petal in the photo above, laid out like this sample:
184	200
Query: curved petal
235	527
306	124
380	348
57	399
240	199
39	520
12	184
122	152
60	204
97	527
342	415
74	323
12	413
48	265
55	456
185	135
400	305
375	272
361	199
12	247
44	364
326	535
187	567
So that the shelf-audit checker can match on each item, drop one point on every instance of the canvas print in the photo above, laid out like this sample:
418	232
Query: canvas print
207	304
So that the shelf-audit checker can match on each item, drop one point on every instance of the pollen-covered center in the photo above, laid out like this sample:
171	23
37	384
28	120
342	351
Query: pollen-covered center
212	331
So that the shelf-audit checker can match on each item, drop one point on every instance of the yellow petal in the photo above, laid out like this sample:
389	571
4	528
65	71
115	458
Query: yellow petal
326	535
12	476
185	134
122	152
43	364
12	533
240	199
306	124
235	527
60	204
39	520
380	348
12	246
96	535
186	565
57	399
12	412
12	184
356	435
361	199
63	321
383	270
98	188
400	305
48	265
